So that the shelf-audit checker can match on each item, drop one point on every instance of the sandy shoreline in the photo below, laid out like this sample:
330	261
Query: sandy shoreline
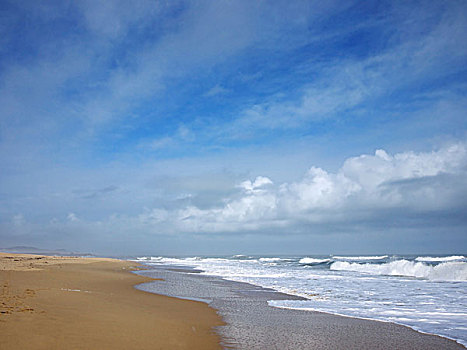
90	303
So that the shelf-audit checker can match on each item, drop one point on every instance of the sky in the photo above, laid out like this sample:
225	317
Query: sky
234	127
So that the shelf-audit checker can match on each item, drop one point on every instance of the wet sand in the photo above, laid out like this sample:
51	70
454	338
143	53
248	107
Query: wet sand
252	324
90	303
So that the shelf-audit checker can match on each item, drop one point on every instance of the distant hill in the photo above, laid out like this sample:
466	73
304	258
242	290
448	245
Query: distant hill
34	250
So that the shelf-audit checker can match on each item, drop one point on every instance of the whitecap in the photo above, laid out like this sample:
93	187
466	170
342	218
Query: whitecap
440	259
448	271
310	261
359	258
269	259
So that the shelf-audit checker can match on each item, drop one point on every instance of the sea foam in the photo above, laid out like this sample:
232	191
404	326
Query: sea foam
312	261
270	259
360	258
392	288
447	271
441	259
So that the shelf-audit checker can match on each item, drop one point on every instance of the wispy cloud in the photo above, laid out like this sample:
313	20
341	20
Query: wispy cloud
216	90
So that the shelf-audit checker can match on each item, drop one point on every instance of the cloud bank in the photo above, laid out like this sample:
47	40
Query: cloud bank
370	192
365	187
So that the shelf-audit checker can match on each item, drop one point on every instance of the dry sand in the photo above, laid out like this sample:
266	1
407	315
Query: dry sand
90	303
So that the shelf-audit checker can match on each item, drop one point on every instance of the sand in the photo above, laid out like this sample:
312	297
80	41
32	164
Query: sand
90	303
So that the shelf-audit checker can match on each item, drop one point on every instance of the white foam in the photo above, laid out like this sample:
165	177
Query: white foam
430	303
313	261
448	271
269	259
148	259
195	258
360	258
409	317
441	259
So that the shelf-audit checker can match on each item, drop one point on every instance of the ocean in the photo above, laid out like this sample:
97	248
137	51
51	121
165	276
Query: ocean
426	293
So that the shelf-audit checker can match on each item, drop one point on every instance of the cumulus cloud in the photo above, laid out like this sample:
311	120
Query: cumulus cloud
255	186
367	184
370	189
368	193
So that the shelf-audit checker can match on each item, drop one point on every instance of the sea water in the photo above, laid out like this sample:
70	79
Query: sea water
427	293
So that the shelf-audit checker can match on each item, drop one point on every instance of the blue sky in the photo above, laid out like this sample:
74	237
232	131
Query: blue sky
218	127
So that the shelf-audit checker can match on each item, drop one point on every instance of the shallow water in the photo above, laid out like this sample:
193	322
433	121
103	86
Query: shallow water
426	293
253	324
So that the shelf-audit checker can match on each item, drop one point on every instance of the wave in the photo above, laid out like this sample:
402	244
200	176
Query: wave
241	257
150	258
309	261
359	258
440	259
270	259
447	271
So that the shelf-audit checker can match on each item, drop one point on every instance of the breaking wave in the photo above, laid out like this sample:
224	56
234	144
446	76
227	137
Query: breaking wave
150	258
447	271
440	259
270	259
360	258
313	261
425	293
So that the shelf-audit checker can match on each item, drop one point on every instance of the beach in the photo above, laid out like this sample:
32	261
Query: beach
248	175
91	303
49	302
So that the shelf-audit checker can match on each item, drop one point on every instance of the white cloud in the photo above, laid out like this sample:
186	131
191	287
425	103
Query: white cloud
317	190
381	175
367	184
255	186
370	194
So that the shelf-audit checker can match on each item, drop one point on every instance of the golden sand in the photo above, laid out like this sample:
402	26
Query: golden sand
90	303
